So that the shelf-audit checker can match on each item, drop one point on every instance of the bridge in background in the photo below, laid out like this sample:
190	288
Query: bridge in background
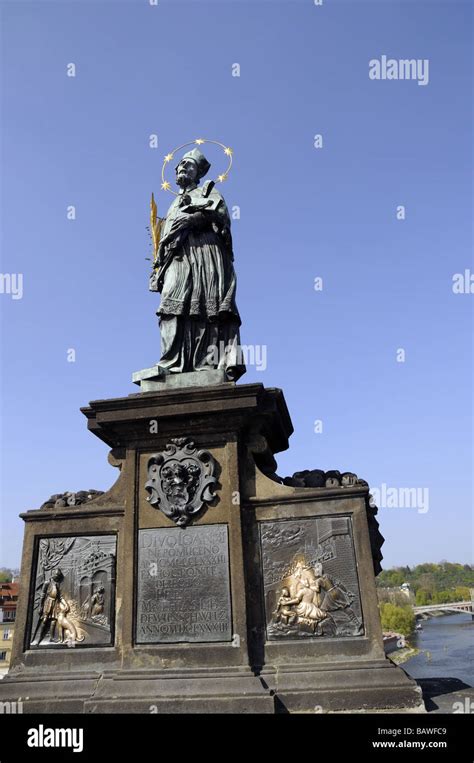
452	606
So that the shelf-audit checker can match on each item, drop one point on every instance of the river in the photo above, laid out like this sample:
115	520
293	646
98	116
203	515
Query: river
446	649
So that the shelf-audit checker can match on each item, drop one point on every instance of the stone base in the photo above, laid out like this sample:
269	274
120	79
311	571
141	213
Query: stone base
211	690
268	528
371	686
376	686
156	378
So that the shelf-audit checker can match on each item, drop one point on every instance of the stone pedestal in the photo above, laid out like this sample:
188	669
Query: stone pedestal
199	582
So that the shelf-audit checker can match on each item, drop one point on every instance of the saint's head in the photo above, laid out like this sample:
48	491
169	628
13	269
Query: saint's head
192	167
57	575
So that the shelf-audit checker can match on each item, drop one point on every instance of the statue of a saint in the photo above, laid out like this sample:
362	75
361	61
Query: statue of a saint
49	607
194	272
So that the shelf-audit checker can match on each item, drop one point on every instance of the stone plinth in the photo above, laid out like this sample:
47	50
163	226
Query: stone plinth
156	379
199	582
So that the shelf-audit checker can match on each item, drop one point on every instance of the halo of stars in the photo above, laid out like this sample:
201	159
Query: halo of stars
166	186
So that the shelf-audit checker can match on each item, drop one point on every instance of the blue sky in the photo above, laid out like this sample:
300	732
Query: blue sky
304	213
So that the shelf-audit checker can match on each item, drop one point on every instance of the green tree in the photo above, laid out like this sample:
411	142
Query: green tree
398	619
444	576
6	575
442	597
423	597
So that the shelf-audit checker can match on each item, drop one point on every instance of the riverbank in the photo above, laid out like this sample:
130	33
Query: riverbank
442	664
399	656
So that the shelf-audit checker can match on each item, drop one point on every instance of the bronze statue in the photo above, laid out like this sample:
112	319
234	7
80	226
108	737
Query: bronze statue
283	612
67	625
49	608
333	596
194	272
311	598
97	601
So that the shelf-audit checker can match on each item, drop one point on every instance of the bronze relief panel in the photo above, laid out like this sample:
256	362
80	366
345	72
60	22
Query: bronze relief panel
73	597
311	588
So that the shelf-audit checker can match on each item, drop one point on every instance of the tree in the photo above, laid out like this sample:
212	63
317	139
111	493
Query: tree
6	574
398	619
423	597
446	576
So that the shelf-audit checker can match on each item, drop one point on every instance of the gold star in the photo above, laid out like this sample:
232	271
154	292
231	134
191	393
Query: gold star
165	185
228	151
199	141
168	157
221	178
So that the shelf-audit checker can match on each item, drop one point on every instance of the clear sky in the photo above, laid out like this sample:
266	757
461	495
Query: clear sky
305	212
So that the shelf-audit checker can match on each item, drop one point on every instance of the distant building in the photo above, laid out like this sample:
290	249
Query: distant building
399	595
8	603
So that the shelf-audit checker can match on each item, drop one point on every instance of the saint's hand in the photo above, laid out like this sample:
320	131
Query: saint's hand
186	221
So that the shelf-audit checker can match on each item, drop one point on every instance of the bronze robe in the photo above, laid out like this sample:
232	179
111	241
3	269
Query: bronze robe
199	319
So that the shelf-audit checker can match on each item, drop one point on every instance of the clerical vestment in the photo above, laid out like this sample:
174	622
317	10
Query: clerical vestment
199	319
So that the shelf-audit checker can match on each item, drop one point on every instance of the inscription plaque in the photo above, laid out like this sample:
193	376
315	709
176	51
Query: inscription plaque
310	579
183	585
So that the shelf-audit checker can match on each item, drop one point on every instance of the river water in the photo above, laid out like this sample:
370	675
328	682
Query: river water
446	645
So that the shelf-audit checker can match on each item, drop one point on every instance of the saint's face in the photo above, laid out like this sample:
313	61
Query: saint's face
186	173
